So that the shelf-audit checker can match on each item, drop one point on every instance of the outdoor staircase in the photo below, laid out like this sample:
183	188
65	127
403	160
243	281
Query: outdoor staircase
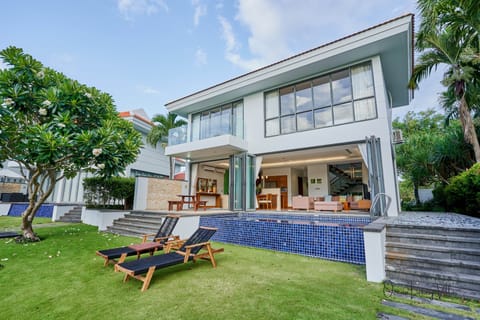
72	216
137	223
434	259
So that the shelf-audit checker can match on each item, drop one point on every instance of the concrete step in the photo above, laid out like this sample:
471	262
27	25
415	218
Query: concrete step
71	217
147	220
137	225
434	252
463	285
425	311
405	261
434	258
434	231
125	231
435	240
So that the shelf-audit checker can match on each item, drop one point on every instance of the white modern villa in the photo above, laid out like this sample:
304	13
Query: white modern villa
317	124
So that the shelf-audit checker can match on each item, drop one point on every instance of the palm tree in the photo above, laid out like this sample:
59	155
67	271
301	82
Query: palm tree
449	35
159	133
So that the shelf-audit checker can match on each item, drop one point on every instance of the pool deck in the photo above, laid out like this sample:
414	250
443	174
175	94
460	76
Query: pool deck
437	219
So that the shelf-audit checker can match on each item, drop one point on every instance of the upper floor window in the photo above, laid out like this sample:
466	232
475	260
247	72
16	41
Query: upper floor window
339	97
226	119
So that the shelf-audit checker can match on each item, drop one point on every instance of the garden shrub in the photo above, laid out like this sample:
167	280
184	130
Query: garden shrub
462	195
109	193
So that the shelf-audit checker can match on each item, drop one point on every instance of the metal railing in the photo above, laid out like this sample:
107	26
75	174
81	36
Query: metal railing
382	201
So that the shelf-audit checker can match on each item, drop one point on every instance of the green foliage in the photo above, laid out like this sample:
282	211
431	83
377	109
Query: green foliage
51	121
101	192
54	126
463	193
163	124
449	36
431	152
159	133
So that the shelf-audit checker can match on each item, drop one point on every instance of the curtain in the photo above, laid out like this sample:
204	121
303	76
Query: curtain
362	81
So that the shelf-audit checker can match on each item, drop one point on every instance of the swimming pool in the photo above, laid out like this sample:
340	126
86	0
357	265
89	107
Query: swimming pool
327	237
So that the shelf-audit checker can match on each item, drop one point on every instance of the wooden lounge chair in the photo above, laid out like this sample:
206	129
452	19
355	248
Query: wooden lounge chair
190	250
163	235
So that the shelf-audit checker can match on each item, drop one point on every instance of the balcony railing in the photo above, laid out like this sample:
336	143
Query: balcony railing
177	135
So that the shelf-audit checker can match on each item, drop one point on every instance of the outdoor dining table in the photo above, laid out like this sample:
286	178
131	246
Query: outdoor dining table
187	199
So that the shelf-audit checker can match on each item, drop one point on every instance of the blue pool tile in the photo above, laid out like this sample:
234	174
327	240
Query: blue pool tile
333	238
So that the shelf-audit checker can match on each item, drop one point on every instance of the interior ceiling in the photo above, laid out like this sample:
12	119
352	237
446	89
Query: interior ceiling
302	158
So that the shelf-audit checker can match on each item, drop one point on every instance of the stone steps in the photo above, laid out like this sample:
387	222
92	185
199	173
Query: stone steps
433	258
420	307
424	311
72	216
136	224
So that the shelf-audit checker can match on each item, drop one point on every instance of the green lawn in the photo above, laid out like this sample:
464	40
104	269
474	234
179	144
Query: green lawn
62	278
8	223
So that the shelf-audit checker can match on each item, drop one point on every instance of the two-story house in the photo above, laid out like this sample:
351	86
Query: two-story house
316	124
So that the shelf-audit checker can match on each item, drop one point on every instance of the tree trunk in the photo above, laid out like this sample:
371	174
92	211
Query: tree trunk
415	193
469	132
36	197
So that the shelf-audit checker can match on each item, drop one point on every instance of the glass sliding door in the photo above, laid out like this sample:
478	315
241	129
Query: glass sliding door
237	165
250	193
242	182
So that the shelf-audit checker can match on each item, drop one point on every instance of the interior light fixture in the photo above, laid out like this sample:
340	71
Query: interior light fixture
306	161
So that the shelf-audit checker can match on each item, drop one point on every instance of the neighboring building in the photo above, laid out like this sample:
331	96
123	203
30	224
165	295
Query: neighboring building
316	124
151	162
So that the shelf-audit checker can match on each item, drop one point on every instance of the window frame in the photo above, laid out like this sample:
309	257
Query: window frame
315	108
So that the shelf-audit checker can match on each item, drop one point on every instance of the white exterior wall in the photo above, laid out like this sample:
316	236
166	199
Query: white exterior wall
318	171
150	159
335	135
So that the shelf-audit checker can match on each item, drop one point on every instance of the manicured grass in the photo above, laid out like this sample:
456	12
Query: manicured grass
14	223
62	278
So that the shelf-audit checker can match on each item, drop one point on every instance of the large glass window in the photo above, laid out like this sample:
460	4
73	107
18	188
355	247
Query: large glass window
343	113
323	117
271	105
340	97
305	120
322	92
303	96
287	124
287	100
341	86
227	119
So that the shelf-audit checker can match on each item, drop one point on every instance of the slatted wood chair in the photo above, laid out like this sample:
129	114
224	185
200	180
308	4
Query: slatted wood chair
162	236
265	201
143	269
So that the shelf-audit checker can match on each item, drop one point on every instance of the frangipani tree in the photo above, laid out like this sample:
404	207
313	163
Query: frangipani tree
53	127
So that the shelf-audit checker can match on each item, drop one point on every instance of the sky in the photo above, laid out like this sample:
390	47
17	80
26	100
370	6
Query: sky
146	53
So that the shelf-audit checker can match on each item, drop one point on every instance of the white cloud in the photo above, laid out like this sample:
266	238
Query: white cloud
200	57
148	90
232	47
280	28
200	11
2	65
131	8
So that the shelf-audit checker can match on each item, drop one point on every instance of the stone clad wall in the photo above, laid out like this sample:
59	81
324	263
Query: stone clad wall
10	187
159	191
